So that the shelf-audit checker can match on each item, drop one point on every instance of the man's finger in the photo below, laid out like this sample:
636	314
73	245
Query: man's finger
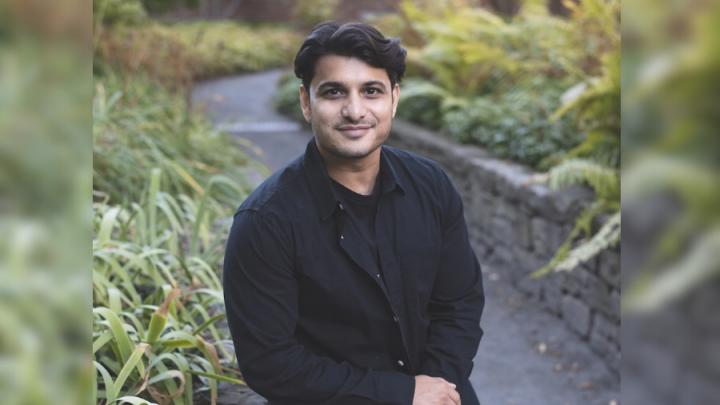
455	397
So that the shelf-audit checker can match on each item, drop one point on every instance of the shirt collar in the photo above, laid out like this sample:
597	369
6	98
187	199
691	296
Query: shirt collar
320	183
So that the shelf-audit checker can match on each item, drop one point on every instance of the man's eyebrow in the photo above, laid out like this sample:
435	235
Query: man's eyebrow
374	83
341	85
330	84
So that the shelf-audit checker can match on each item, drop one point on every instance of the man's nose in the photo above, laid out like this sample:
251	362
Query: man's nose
354	109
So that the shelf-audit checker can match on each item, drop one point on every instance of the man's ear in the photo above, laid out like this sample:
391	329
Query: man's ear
305	102
395	98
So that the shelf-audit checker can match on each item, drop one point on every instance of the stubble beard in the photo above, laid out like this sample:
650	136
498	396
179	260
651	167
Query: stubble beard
348	152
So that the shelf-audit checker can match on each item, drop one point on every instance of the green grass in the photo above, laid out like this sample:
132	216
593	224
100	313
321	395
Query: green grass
164	185
139	125
156	301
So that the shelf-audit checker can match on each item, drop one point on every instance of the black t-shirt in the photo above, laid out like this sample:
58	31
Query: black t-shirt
362	209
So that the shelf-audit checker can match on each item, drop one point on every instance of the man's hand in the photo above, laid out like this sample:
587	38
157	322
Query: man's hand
434	391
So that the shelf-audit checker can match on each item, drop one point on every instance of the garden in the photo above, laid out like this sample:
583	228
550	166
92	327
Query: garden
533	87
164	186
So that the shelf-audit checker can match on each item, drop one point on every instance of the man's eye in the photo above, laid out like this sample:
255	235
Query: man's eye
332	92
372	91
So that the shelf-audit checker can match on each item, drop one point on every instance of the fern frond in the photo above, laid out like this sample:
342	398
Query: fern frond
700	264
603	180
583	224
607	236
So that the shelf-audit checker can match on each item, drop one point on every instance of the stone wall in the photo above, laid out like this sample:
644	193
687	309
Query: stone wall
516	225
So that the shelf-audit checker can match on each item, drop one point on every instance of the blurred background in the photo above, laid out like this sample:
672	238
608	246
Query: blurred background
105	143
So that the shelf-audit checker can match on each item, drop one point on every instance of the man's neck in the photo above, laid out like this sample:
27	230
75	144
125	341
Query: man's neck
359	175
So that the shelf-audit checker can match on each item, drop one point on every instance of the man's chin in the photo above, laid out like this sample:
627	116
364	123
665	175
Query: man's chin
351	149
352	153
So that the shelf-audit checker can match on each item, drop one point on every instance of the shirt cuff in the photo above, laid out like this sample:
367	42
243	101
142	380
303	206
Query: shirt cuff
394	388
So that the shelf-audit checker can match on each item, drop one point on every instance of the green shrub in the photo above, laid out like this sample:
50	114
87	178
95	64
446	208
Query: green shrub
121	12
150	50
423	103
139	125
516	125
177	54
471	51
157	298
160	6
163	183
595	102
227	47
286	99
311	12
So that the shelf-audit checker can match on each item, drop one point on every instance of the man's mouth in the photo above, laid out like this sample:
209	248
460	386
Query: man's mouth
354	130
353	127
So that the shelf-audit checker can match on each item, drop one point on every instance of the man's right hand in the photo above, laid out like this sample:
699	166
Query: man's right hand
434	391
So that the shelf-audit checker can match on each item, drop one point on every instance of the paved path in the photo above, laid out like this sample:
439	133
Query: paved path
243	107
526	356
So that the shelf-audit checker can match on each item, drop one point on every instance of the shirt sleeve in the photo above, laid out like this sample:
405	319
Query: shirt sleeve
261	303
457	299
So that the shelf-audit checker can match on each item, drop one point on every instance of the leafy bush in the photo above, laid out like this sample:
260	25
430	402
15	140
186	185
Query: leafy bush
163	181
138	125
516	125
123	12
286	99
150	50
472	51
422	102
156	302
596	104
160	6
177	54
583	243
228	47
312	12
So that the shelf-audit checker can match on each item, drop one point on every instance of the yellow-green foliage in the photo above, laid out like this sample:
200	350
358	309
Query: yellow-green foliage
150	50
596	105
155	301
311	12
670	150
497	81
673	269
228	47
467	50
176	54
139	125
596	26
125	12
163	181
595	101
605	182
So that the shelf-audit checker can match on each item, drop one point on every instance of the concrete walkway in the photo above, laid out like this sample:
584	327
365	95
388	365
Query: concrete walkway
526	356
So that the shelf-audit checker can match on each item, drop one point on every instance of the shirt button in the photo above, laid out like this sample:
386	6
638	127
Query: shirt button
342	236
396	319
377	275
341	206
401	363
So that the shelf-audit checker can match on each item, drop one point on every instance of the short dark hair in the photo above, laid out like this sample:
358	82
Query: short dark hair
358	40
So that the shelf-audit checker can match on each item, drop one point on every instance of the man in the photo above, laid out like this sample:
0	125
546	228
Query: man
349	278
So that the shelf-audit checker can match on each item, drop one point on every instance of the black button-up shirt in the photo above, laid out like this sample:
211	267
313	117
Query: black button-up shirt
313	318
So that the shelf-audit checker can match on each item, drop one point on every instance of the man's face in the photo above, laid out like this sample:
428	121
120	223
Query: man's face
350	105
